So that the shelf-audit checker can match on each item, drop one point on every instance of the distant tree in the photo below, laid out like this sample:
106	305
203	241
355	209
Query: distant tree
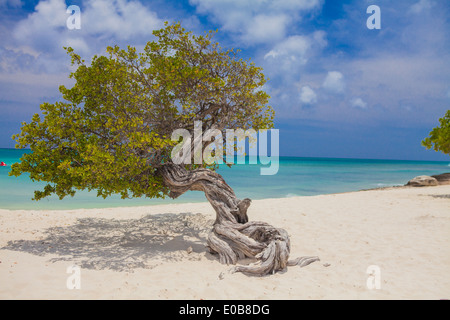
113	133
439	138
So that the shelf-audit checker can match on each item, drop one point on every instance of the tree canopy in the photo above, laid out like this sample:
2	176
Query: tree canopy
112	131
439	138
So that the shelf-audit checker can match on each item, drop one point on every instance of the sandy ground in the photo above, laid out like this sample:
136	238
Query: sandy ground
378	244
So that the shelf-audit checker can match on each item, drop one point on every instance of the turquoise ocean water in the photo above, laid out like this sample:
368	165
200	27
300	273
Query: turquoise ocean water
295	177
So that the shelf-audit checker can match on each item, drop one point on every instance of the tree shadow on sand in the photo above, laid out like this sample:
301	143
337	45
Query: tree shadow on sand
123	245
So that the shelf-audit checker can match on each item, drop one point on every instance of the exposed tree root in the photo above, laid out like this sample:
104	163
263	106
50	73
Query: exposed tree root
233	237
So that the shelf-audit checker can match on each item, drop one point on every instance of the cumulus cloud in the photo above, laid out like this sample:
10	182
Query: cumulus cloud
285	63
43	28
37	41
45	32
255	21
32	61
358	103
120	18
307	95
266	28
410	61
334	82
292	50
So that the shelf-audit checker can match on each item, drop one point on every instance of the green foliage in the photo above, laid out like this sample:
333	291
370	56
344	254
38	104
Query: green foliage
439	138
113	130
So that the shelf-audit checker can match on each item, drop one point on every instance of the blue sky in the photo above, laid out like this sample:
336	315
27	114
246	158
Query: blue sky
338	88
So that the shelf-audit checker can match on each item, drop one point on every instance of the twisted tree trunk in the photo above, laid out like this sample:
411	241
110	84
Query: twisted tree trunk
233	237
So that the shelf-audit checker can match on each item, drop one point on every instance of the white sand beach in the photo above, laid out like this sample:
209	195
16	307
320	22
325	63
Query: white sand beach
158	252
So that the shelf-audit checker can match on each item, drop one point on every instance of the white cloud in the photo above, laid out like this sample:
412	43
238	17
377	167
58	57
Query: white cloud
266	28
81	46
249	19
358	103
292	49
334	82
44	32
286	64
32	61
120	18
294	52
41	30
307	95
421	6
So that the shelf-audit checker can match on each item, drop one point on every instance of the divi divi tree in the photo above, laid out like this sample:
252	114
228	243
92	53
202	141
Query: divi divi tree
112	133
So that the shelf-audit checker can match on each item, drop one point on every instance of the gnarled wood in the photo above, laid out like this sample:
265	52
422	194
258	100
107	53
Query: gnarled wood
233	236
